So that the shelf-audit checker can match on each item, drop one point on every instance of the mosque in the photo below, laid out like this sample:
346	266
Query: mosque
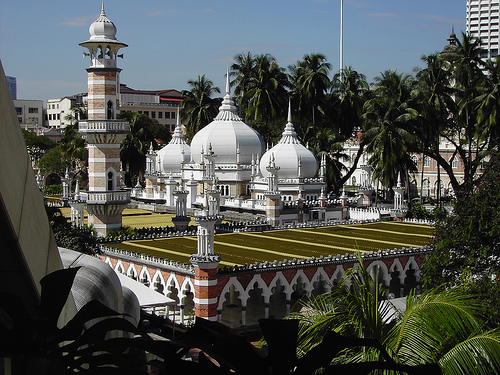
230	157
226	167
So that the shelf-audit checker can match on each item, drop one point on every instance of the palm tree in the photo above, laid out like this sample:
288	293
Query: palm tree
266	94
442	327
242	69
313	81
435	100
349	88
466	63
350	91
488	106
199	108
136	144
388	119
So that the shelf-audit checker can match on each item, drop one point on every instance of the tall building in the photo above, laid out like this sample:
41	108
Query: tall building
12	83
105	199
482	22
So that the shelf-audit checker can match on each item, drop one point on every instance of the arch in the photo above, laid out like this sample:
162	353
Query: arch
186	288
110	179
233	281
280	277
144	276
158	281
337	275
397	266
382	267
307	284
322	280
131	271
426	188
110	110
266	291
119	266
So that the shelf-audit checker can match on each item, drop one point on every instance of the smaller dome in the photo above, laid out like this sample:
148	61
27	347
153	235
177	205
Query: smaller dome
102	28
290	156
176	152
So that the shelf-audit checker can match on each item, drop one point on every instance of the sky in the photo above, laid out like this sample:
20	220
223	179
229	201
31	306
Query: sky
171	42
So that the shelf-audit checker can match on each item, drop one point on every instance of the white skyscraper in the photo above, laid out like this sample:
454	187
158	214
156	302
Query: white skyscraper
482	22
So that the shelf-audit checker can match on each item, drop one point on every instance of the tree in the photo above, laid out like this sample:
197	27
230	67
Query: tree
349	93
242	69
467	244
54	161
37	145
435	103
198	108
313	81
266	95
437	327
136	144
388	118
462	133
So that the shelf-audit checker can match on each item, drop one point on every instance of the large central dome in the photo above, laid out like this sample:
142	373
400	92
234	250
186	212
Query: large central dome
227	134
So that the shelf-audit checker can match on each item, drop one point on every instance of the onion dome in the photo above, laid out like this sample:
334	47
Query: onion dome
231	139
452	47
102	30
292	158
176	152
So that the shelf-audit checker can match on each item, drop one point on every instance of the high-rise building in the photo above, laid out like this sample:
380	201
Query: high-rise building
482	22
12	83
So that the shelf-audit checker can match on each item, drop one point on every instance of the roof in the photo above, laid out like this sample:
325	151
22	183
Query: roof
163	94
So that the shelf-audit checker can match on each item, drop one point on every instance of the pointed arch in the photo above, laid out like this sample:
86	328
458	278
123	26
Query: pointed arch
233	281
284	283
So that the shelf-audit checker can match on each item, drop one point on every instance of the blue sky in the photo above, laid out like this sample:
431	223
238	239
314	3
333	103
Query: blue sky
171	42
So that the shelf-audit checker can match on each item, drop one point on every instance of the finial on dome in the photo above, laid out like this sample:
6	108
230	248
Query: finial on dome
228	84
102	10
289	110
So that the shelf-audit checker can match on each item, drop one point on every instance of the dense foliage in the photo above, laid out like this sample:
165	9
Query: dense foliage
443	327
467	245
83	240
451	99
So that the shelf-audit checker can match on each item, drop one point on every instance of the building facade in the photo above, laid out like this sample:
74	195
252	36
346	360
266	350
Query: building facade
160	105
29	114
482	21
60	111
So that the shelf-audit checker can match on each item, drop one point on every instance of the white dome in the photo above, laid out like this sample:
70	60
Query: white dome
176	152
288	154
227	134
102	28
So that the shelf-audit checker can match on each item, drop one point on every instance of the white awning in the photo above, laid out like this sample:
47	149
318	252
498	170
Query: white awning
147	297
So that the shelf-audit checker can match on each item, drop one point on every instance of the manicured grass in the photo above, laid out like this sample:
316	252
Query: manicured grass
241	248
136	218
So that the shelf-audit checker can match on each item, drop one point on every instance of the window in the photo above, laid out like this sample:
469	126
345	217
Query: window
58	116
32	110
146	113
454	163
153	114
172	116
427	161
110	180
19	111
167	114
50	116
111	111
160	114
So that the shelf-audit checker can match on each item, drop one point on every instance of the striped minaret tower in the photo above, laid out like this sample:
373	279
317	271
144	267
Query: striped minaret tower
105	199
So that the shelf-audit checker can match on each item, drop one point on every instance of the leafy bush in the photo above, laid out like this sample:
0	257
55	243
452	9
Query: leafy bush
53	189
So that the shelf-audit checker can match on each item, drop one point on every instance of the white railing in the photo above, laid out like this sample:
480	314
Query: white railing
103	126
101	197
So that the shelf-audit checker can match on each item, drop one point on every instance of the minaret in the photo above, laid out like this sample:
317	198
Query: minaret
205	263
273	196
105	198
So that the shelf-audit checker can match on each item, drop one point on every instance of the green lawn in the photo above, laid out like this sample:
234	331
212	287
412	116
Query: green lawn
241	248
